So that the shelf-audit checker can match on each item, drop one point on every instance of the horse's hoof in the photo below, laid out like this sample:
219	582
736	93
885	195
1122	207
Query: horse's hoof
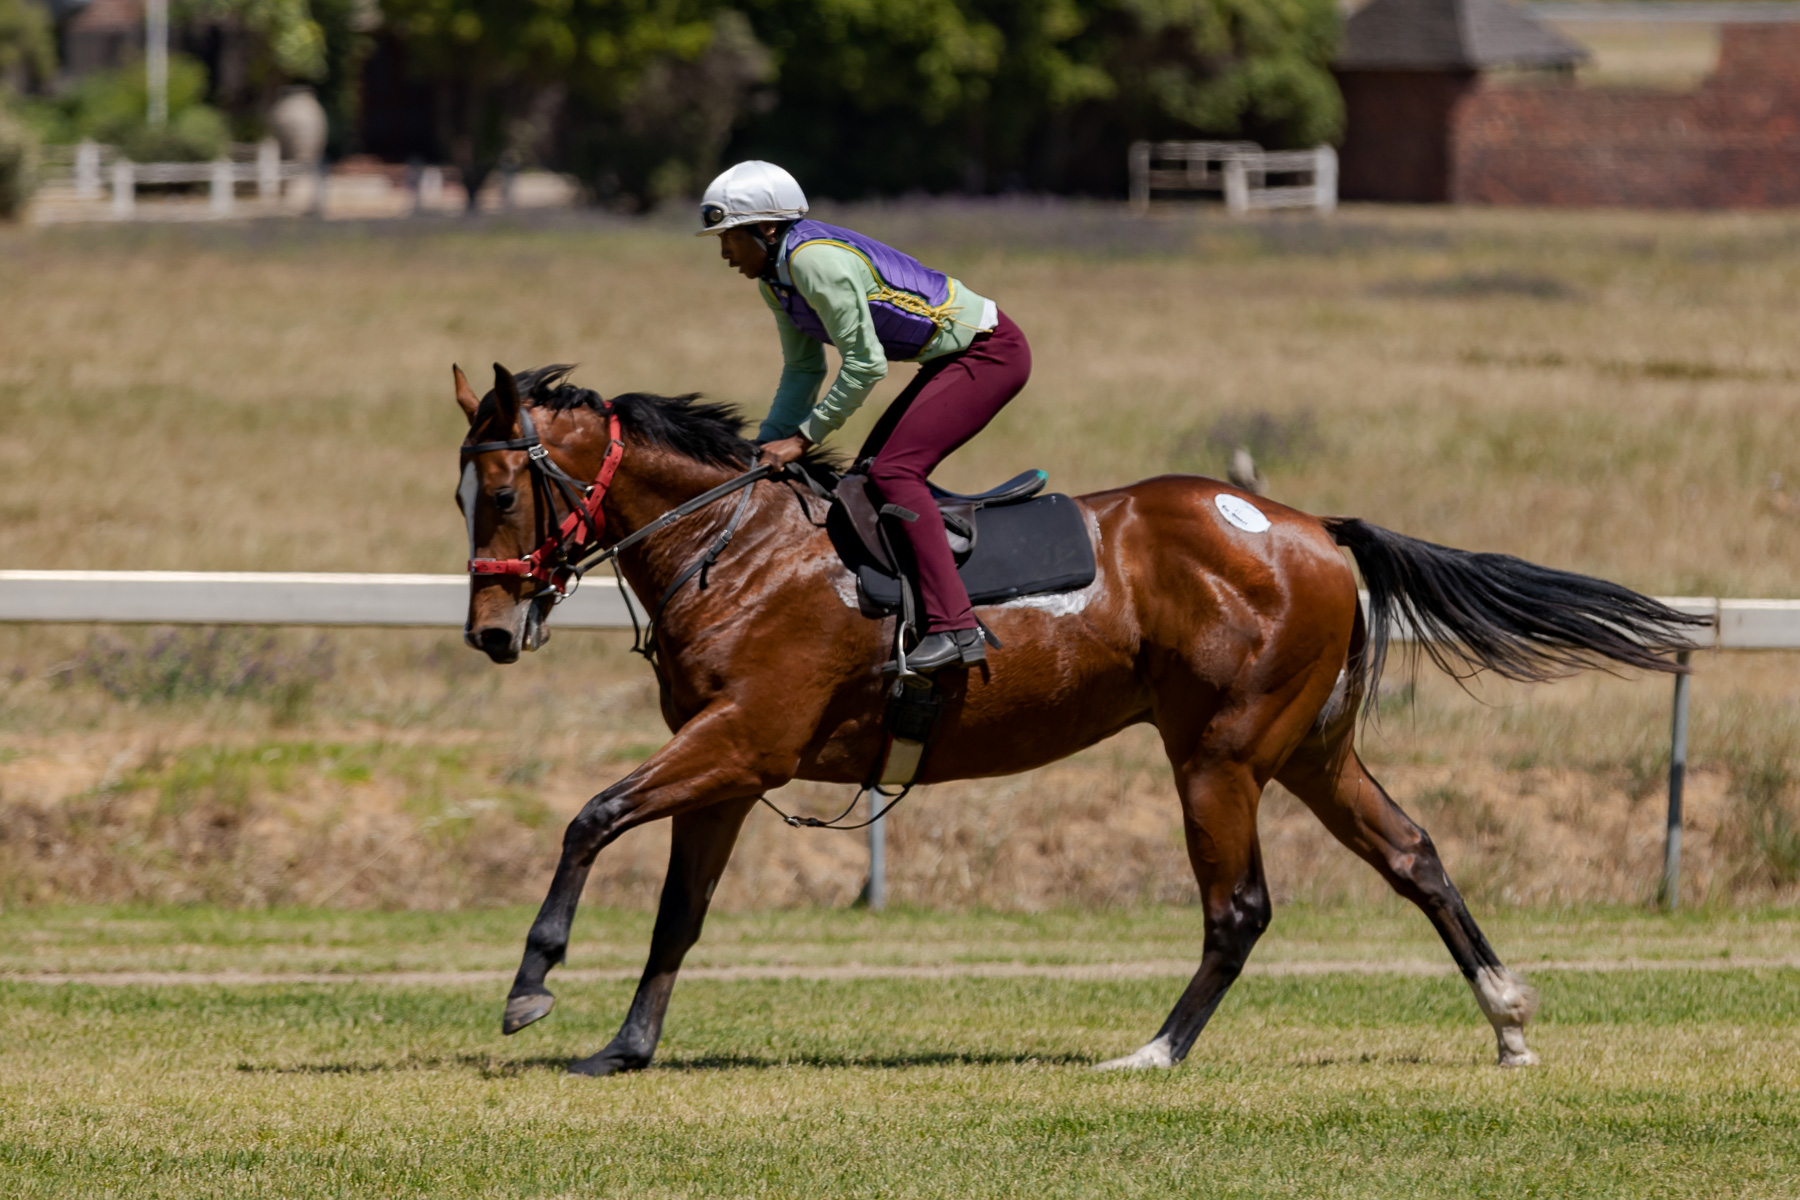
1518	1058
1154	1057
525	1008
607	1062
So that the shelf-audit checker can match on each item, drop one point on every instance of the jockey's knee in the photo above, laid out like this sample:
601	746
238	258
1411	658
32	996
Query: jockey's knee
886	474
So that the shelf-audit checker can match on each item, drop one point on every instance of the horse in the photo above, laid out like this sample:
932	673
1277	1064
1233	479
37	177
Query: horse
1228	621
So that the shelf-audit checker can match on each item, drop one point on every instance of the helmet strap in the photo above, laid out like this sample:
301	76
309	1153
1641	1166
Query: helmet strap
771	248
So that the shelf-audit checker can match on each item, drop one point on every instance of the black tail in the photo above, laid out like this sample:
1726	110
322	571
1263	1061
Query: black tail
1493	612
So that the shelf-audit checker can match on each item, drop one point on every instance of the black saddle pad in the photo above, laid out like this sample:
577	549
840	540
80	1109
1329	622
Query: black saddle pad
1025	549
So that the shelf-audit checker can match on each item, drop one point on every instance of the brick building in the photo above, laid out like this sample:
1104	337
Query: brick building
1472	101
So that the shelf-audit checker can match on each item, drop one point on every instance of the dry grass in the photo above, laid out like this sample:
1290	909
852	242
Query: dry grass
1607	392
419	776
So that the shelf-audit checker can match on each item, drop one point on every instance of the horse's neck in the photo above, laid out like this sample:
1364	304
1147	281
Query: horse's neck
652	481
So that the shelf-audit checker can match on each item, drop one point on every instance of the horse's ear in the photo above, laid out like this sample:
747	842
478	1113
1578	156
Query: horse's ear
506	396
466	398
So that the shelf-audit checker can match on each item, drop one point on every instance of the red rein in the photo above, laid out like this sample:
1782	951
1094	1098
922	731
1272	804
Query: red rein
548	561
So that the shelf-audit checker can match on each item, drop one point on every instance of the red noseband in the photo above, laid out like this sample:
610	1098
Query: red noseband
581	529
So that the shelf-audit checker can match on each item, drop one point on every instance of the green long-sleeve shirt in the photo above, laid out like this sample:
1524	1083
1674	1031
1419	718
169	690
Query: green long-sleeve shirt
837	282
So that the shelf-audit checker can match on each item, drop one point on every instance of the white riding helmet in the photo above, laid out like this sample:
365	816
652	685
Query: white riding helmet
750	191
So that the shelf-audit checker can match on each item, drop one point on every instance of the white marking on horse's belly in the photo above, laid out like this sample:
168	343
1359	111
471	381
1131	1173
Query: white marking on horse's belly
1157	1055
844	584
1066	604
1057	604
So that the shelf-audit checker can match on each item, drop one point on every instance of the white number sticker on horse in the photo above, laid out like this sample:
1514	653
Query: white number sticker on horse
1240	512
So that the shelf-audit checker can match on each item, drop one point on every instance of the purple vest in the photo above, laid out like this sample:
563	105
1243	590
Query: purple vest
907	292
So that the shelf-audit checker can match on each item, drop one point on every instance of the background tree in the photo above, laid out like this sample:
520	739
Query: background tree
982	95
27	54
503	69
645	138
27	46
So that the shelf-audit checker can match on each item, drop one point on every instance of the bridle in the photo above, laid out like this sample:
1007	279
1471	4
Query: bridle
572	548
558	559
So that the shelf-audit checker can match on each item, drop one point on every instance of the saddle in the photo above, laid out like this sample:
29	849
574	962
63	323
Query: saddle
1008	541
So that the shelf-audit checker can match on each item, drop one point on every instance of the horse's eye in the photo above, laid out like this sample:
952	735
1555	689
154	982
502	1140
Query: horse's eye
505	498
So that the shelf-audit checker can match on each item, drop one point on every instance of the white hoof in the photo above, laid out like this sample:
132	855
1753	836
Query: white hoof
1509	1002
1155	1056
1522	1057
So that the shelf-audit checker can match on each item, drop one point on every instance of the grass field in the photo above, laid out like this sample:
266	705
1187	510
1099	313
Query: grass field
1660	1078
1613	393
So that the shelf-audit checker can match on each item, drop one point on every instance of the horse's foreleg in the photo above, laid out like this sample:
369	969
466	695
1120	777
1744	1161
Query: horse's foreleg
701	844
1219	817
709	762
1332	781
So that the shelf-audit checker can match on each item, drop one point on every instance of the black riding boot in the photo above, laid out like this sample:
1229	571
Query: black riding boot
943	649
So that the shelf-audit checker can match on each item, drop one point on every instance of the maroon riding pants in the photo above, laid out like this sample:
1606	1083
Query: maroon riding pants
945	405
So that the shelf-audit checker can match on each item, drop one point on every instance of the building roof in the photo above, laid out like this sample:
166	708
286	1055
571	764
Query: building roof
1428	35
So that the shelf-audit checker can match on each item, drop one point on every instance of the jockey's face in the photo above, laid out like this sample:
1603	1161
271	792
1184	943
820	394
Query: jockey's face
739	247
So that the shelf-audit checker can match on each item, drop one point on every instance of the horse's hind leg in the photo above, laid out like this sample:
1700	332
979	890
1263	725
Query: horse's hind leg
1327	775
1218	801
700	846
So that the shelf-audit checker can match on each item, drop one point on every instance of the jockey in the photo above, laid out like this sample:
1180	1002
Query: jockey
832	286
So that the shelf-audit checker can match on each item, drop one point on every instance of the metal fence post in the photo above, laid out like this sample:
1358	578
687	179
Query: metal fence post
87	170
876	893
1670	893
268	169
1237	185
124	188
220	196
1325	180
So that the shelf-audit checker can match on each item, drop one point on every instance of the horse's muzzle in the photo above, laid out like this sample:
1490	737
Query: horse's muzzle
504	645
498	644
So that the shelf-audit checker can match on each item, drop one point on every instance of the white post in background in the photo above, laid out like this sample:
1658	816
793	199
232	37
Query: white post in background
124	188
1237	185
876	893
1325	180
431	188
1140	177
156	60
87	170
268	169
1670	892
221	196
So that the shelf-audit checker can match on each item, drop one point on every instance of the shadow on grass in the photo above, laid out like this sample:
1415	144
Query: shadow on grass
485	1065
886	1062
489	1067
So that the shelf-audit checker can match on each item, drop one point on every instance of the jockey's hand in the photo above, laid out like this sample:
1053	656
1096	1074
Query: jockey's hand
786	450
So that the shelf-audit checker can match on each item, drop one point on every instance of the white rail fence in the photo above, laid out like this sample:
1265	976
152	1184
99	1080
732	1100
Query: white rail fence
1240	171
88	170
441	602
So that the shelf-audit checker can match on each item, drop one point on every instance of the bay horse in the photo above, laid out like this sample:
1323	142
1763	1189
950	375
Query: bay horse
1228	621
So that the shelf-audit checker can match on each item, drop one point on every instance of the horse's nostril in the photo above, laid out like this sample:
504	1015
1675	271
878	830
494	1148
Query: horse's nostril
494	641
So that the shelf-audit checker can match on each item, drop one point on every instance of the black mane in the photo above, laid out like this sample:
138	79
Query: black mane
698	429
709	433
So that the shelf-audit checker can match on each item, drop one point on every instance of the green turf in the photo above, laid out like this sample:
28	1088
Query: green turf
1671	1082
